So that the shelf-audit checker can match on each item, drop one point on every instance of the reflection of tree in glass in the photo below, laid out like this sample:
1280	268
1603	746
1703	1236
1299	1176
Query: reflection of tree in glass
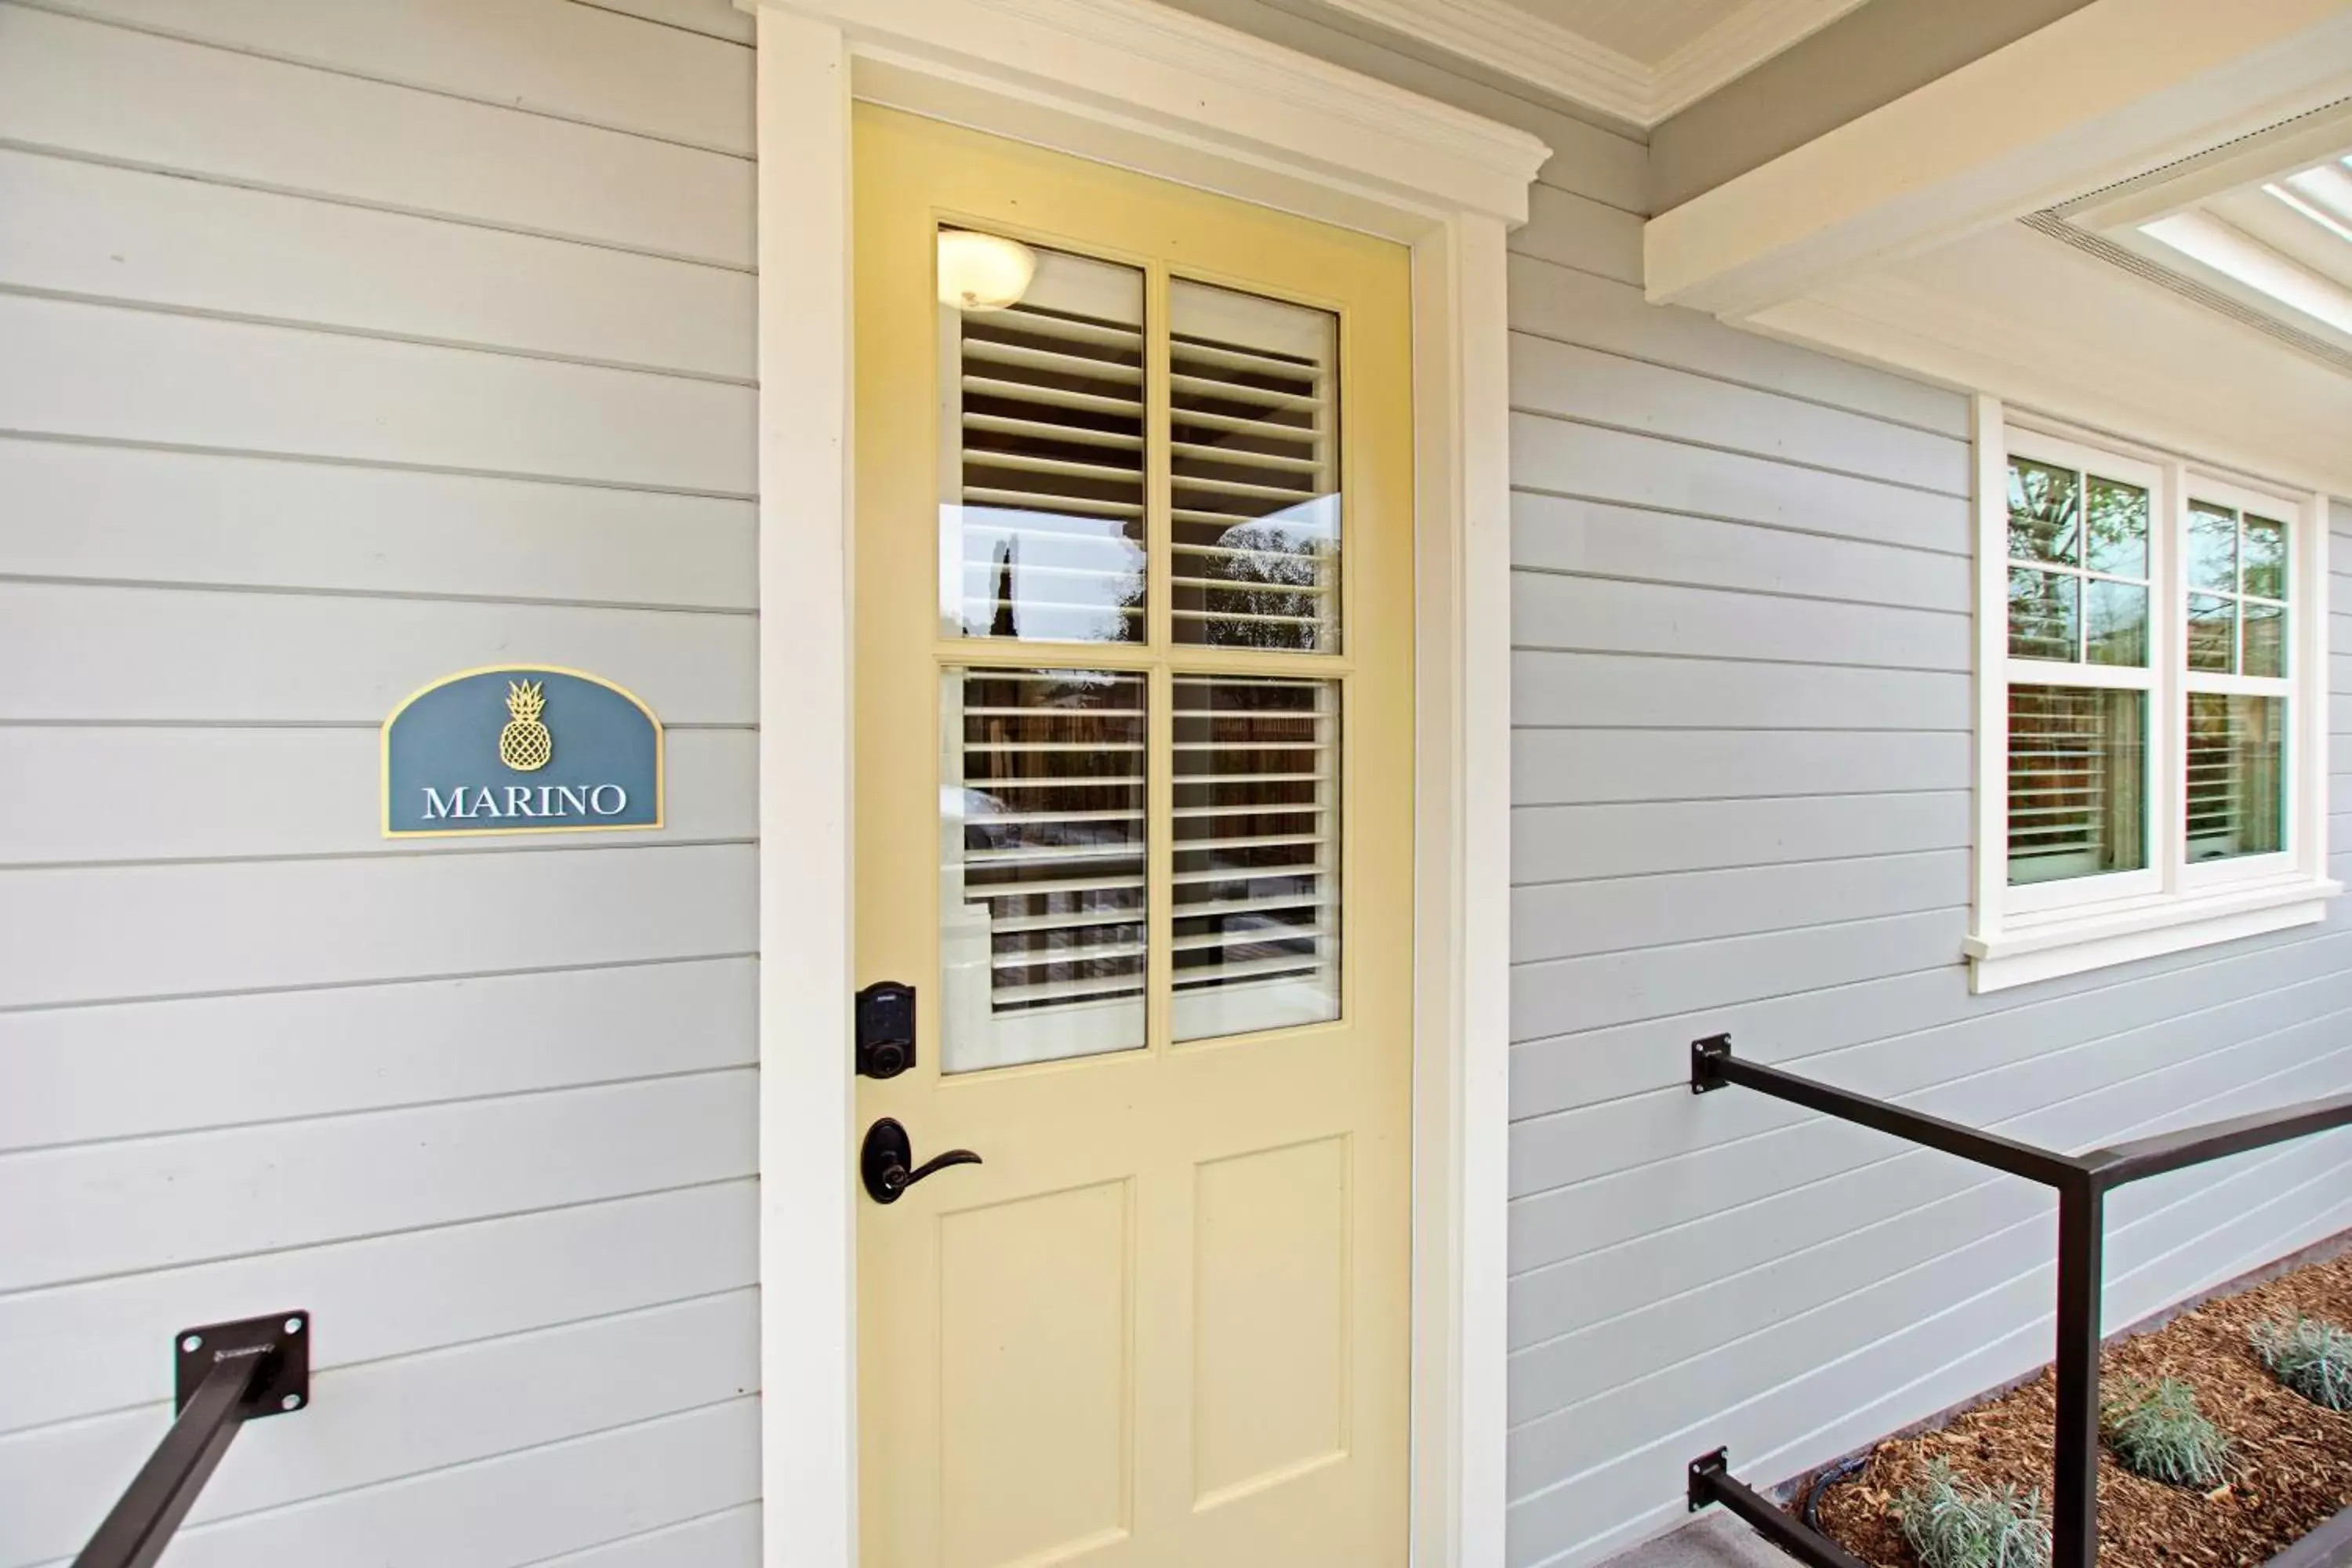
2212	547
2044	507
2263	554
1268	592
2042	610
1003	624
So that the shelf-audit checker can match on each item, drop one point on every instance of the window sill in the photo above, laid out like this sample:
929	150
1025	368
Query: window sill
2051	945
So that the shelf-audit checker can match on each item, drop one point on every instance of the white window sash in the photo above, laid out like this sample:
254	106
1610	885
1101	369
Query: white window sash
2041	898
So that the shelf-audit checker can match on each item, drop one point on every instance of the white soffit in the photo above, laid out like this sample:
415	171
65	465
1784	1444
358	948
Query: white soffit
1538	42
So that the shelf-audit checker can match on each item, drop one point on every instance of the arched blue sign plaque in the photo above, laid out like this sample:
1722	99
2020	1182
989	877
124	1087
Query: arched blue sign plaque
520	749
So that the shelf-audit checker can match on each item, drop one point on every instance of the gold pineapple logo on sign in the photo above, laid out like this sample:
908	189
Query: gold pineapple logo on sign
524	745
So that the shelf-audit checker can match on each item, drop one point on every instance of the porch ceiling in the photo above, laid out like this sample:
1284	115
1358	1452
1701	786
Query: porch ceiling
1639	60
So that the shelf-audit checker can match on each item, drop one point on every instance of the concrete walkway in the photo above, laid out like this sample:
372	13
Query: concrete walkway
1712	1540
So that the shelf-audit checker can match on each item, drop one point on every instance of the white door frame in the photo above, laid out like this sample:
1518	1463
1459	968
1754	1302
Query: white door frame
1127	81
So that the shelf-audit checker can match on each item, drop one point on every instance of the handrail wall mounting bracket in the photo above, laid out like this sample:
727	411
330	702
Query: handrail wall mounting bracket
281	1341
224	1374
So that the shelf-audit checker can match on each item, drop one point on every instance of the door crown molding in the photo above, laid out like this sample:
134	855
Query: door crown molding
1162	71
1565	63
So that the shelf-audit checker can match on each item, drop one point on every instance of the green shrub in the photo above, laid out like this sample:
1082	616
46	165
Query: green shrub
2159	1432
1952	1523
2311	1357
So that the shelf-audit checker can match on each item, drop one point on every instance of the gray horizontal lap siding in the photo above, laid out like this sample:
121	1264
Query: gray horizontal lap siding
349	345
1742	697
1741	778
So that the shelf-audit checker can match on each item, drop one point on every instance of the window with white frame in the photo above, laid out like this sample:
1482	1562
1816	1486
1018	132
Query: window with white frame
2152	693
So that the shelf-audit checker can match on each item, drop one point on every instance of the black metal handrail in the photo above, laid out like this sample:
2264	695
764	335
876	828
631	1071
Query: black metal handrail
2083	1183
229	1373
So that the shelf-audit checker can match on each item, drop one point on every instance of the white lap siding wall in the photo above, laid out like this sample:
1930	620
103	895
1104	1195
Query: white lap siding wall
344	346
1741	782
1741	777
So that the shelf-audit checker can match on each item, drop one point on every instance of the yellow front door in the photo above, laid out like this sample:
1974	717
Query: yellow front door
1134	819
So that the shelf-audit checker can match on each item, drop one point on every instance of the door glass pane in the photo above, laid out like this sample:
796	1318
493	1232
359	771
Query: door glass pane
1257	841
1254	455
1042	901
2237	777
1041	442
2077	781
2043	613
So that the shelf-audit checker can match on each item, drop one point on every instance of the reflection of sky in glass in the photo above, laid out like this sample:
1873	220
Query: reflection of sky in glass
1310	526
1072	579
2116	622
2212	548
2119	529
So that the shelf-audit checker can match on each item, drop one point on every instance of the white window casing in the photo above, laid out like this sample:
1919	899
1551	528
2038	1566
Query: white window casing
2061	884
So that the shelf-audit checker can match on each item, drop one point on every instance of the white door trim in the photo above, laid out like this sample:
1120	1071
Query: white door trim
1132	83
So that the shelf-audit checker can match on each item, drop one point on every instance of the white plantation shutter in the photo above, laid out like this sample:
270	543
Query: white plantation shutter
2075	769
2214	801
1256	854
2236	775
1044	863
1254	466
2057	783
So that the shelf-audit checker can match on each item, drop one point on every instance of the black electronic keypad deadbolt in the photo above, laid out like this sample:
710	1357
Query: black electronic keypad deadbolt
886	1029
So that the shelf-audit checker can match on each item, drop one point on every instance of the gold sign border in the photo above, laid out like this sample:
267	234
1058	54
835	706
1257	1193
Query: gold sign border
383	760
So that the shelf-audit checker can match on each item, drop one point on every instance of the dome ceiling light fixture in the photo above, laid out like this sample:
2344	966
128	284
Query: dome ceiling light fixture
983	272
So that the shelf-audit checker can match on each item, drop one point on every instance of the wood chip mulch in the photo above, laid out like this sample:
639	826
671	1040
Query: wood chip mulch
2290	1464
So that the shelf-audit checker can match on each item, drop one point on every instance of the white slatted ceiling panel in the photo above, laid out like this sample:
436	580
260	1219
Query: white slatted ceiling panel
1254	459
1046	448
1256	840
